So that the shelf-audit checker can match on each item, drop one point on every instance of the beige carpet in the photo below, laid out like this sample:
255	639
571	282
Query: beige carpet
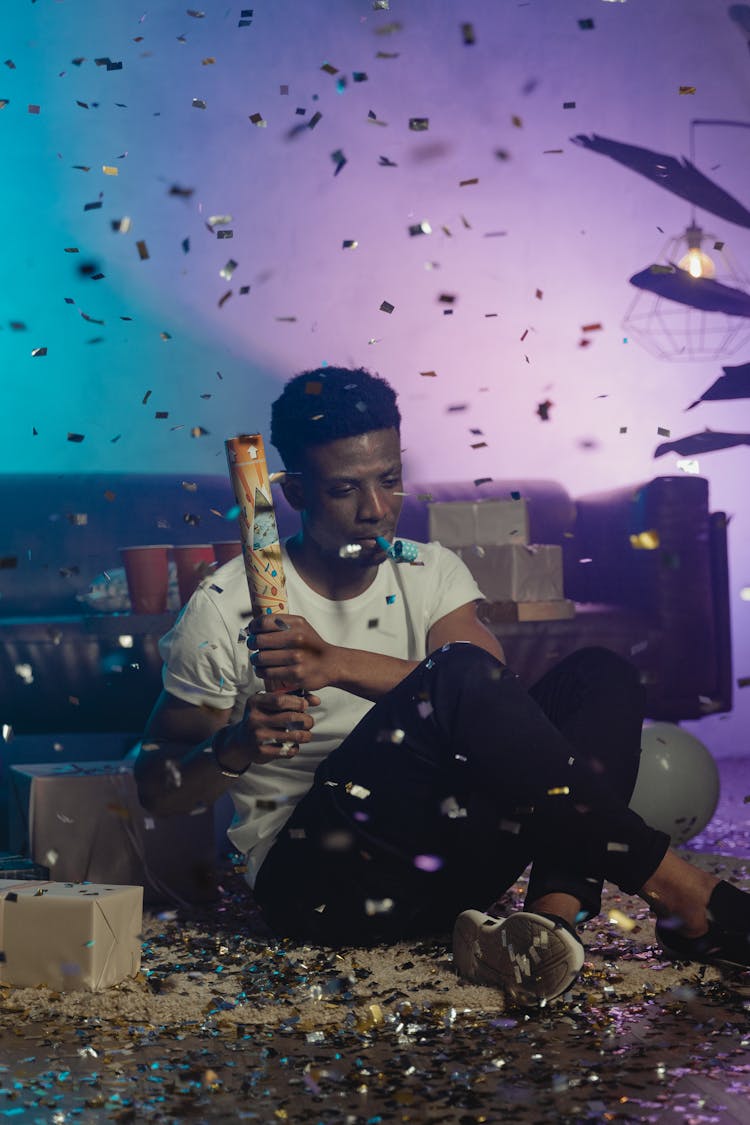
212	974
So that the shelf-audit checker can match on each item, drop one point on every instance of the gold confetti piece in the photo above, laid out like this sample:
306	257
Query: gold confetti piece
208	61
142	250
430	374
591	328
744	681
551	151
645	540
420	228
516	121
349	244
110	170
257	119
559	791
468	183
687	89
419	124
357	790
718	245
662	431
329	69
621	920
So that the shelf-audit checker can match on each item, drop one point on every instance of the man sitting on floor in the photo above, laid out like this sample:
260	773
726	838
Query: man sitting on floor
389	772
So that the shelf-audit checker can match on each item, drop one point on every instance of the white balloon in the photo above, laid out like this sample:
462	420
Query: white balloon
677	789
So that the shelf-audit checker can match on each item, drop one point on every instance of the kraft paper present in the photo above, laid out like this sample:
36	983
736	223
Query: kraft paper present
68	936
488	523
84	821
517	573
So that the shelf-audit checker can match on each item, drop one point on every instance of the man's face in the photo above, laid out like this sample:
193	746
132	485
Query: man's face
350	493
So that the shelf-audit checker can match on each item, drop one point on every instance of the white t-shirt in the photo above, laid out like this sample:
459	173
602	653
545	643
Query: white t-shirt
206	661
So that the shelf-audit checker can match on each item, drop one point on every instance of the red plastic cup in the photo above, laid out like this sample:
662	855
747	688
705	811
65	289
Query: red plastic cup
193	564
147	573
226	550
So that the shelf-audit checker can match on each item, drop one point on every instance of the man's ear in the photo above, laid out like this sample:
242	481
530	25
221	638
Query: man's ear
292	488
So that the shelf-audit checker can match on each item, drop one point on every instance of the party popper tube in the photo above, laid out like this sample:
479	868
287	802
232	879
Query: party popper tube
261	549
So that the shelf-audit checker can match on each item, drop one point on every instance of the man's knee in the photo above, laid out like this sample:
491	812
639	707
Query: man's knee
464	654
604	664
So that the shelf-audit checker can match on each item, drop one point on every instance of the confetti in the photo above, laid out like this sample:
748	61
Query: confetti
468	183
198	103
387	307
349	244
687	89
419	124
39	352
76	437
390	599
586	25
543	409
429	374
142	250
645	540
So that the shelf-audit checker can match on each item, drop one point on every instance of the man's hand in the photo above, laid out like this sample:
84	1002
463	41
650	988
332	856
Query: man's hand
273	726
289	655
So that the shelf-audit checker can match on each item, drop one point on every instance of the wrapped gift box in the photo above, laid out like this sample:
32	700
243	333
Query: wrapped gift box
517	573
69	936
84	821
488	523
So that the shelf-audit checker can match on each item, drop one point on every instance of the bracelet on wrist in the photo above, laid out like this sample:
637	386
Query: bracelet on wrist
217	743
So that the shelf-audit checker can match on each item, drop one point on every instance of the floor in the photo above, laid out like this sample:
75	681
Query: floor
681	1057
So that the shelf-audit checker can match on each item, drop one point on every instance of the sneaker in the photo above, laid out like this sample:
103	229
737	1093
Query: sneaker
531	957
727	941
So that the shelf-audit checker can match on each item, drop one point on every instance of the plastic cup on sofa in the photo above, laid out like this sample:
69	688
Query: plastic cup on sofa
193	562
147	573
226	550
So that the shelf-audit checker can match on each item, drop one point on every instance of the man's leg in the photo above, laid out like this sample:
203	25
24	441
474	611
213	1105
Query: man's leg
452	777
595	700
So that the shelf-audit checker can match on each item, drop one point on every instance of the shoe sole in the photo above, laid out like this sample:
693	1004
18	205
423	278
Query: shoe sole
530	957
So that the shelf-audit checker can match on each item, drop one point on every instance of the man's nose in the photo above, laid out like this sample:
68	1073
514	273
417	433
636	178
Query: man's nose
373	504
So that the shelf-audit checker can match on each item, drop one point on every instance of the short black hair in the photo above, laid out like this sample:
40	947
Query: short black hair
319	406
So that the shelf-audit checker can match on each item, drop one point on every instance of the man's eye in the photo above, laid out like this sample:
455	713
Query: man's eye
391	483
339	492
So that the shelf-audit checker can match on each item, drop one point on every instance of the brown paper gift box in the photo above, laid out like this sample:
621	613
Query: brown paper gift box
84	821
488	523
515	573
68	936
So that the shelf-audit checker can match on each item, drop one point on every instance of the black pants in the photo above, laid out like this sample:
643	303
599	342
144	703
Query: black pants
450	785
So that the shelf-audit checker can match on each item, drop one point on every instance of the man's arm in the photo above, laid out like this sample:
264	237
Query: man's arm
191	754
291	654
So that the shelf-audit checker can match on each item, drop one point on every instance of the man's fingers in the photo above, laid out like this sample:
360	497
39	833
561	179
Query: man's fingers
273	702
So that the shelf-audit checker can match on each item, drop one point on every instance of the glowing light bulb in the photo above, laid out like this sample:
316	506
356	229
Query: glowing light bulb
697	264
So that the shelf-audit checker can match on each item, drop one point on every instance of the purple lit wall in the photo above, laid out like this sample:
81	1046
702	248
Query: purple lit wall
541	245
